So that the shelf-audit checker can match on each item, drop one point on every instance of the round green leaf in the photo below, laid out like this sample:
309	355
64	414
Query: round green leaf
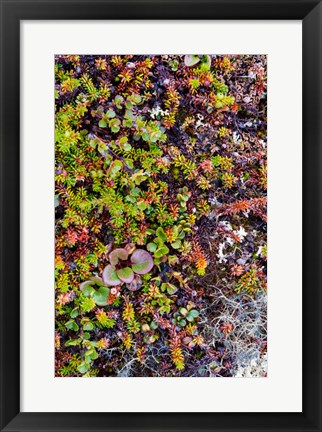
74	313
191	60
83	368
97	280
163	250
142	261
110	277
88	326
118	254
135	284
110	113
176	245
141	205
126	274
127	147
194	313
151	247
101	295
182	322
102	123
183	311
191	315
87	288
153	325
171	288
160	233
73	342
115	167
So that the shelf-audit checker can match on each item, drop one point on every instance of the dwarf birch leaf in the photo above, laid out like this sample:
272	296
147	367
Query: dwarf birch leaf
161	234
88	326
171	289
163	250
74	313
102	124
83	368
115	167
176	245
110	113
151	247
192	315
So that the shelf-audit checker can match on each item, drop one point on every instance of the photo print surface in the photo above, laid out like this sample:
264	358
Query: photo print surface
161	215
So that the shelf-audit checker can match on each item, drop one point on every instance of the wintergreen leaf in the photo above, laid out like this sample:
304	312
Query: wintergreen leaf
118	254
206	61
101	295
142	261
135	284
87	288
110	277
126	274
191	60
97	281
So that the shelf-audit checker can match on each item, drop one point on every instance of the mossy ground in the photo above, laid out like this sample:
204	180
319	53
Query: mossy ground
159	154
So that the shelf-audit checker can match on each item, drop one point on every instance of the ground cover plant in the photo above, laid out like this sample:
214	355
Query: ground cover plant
160	203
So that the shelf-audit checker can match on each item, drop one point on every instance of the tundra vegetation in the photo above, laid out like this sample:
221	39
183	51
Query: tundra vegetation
160	204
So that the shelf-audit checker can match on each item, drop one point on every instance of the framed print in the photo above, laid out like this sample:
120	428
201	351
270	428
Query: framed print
160	215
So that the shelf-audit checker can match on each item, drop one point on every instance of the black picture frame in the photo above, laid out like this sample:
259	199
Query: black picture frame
12	12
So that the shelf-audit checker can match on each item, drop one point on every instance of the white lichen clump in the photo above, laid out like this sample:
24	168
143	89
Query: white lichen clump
257	368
